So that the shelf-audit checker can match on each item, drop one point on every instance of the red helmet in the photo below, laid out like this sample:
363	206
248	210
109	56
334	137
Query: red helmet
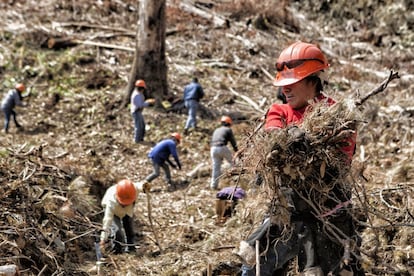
177	136
125	192
226	119
140	83
20	87
298	61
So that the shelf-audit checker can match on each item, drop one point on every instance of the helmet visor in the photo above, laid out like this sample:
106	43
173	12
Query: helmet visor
294	63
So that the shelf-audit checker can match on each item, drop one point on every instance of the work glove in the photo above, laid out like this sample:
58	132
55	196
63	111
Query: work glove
246	253
146	187
150	101
297	139
296	133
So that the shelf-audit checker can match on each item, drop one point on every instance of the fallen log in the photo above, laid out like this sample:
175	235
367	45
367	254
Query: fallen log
209	15
65	42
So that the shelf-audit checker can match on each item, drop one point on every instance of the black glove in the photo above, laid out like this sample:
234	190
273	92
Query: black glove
296	133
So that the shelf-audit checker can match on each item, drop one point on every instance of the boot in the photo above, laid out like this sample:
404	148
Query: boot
171	186
246	253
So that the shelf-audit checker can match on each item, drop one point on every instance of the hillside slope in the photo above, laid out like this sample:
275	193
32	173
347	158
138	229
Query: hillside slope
77	138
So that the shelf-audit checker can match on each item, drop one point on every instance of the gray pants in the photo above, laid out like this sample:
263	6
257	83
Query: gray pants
156	172
218	154
192	106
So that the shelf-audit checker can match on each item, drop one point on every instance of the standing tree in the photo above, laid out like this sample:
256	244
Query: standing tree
149	60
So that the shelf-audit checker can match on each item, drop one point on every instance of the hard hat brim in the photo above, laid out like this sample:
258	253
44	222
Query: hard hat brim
285	81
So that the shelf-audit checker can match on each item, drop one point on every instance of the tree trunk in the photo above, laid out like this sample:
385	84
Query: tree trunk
149	60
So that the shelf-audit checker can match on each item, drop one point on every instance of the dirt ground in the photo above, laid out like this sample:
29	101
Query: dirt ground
77	137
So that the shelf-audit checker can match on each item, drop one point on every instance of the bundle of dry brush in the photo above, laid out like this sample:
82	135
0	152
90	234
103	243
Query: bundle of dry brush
312	163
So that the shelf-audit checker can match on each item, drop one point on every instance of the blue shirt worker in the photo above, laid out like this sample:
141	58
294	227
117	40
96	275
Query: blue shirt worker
219	150
118	203
138	103
11	99
160	154
193	92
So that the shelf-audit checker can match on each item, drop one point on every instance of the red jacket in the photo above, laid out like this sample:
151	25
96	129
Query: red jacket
282	115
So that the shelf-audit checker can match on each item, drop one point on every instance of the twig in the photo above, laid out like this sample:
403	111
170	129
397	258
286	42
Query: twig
43	270
114	262
150	221
266	73
379	89
386	203
93	26
209	272
248	100
223	247
79	236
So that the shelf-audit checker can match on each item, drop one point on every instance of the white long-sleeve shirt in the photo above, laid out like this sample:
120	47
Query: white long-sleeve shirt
114	208
138	101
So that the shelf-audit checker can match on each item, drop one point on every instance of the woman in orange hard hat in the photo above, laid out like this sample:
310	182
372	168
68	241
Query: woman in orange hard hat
119	202
300	68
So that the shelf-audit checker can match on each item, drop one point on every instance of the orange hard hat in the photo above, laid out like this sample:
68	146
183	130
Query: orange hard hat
298	61
125	192
177	136
226	119
140	83
20	87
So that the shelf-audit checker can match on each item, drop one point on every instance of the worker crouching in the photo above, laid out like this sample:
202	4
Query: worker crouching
119	202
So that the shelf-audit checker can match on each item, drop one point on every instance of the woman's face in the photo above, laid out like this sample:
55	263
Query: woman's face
299	93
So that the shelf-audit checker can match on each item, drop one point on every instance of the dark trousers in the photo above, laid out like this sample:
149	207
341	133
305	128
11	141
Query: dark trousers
156	172
7	114
310	239
124	234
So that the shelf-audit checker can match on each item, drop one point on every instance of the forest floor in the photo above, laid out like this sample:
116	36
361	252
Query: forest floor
77	136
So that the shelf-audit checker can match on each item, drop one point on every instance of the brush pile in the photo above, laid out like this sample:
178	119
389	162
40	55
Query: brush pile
44	226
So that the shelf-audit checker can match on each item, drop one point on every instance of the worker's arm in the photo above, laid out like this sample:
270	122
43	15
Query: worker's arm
107	222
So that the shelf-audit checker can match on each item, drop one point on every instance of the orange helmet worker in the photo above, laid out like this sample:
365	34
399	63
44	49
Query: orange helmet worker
138	103
219	150
160	158
118	203
10	100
